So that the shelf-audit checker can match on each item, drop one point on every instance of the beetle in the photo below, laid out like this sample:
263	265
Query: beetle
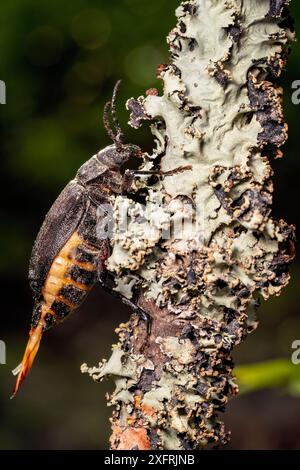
68	257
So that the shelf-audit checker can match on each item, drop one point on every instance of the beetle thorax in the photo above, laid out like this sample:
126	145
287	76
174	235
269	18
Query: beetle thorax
115	158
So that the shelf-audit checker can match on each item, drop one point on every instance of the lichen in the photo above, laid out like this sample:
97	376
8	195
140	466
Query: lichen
203	248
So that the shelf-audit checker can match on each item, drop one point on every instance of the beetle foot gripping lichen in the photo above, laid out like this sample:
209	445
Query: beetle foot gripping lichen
221	114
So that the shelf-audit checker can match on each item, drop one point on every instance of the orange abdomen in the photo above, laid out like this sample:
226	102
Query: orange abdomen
71	276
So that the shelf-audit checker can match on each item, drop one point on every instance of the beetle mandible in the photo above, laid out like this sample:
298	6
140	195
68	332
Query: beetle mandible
68	257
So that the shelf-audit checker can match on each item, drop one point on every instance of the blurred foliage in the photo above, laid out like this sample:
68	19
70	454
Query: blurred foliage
60	61
280	373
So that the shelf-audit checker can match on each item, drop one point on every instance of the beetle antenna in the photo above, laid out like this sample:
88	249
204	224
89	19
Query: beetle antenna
120	135
110	132
116	135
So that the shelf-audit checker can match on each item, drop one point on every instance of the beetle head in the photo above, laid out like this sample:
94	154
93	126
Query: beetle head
115	157
110	157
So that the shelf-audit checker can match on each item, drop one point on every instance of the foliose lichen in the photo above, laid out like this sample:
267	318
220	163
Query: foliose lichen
202	248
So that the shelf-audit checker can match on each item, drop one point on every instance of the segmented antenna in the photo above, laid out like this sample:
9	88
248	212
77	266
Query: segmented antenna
116	134
120	134
106	121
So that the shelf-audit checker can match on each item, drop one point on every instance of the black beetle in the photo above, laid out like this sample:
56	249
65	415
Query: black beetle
68	256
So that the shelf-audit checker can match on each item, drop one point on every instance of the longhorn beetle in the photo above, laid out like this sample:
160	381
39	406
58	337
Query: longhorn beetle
67	257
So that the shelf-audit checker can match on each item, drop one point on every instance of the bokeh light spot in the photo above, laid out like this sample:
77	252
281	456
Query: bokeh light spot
141	64
78	91
93	69
91	29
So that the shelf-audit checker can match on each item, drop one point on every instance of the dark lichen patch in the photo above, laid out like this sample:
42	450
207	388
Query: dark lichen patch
277	7
192	44
270	69
186	443
154	440
182	27
189	7
222	75
266	100
234	32
250	202
146	380
137	111
191	277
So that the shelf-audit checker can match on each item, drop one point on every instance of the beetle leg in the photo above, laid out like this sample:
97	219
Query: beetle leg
129	175
140	312
177	170
128	179
104	282
135	309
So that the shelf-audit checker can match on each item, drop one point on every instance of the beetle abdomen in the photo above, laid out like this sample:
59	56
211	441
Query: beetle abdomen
64	281
71	276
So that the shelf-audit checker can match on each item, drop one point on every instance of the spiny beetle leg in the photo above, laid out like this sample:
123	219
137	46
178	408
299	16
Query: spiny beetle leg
128	179
140	312
103	280
130	175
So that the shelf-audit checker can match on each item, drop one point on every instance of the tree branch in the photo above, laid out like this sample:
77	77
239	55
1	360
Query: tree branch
200	247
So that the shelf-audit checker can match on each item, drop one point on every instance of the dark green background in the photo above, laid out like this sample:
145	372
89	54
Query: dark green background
60	61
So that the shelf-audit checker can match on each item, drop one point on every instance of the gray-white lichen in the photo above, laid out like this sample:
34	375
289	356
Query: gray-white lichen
200	246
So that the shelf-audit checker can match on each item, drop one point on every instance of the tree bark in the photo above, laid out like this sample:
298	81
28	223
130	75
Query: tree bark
200	246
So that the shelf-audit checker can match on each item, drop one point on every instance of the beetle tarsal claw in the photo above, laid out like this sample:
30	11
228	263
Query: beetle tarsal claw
32	348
